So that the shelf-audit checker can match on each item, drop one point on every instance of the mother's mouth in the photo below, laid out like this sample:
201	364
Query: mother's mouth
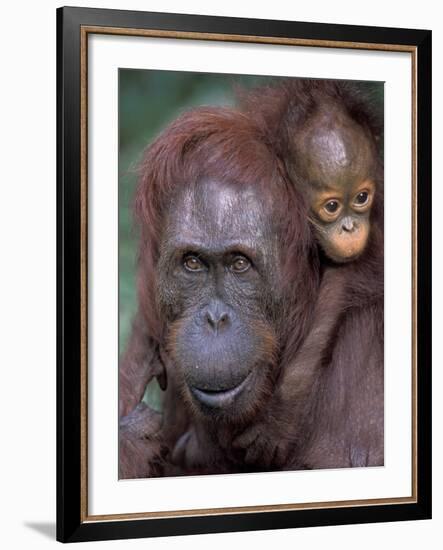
219	399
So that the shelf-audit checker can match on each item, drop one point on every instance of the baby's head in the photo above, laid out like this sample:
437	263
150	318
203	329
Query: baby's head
336	164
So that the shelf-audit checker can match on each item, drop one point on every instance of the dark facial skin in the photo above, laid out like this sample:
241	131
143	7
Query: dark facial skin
337	160
218	290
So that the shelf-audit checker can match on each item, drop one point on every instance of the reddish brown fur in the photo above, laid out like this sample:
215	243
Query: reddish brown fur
322	346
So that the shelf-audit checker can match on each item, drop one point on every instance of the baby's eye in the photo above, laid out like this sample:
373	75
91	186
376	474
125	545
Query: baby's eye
362	198
331	207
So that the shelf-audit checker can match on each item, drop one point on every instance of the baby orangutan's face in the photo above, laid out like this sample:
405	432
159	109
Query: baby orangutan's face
337	160
341	219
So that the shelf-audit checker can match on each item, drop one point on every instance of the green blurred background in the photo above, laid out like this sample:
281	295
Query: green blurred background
148	101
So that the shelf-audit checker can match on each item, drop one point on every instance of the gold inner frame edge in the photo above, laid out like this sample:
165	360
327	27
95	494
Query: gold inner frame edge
85	30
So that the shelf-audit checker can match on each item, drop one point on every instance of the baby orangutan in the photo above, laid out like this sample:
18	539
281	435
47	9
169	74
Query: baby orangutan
335	168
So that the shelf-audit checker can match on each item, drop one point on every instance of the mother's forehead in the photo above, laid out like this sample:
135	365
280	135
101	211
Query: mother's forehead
212	208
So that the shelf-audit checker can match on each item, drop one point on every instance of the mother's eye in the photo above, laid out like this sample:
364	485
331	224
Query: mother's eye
193	263
240	264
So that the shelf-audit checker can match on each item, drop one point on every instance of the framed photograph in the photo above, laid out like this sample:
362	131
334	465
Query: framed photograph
244	274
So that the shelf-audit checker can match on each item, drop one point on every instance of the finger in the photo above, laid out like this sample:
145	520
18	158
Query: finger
179	452
143	422
151	419
194	455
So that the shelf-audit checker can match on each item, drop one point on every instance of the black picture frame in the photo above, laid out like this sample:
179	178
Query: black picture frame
72	523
